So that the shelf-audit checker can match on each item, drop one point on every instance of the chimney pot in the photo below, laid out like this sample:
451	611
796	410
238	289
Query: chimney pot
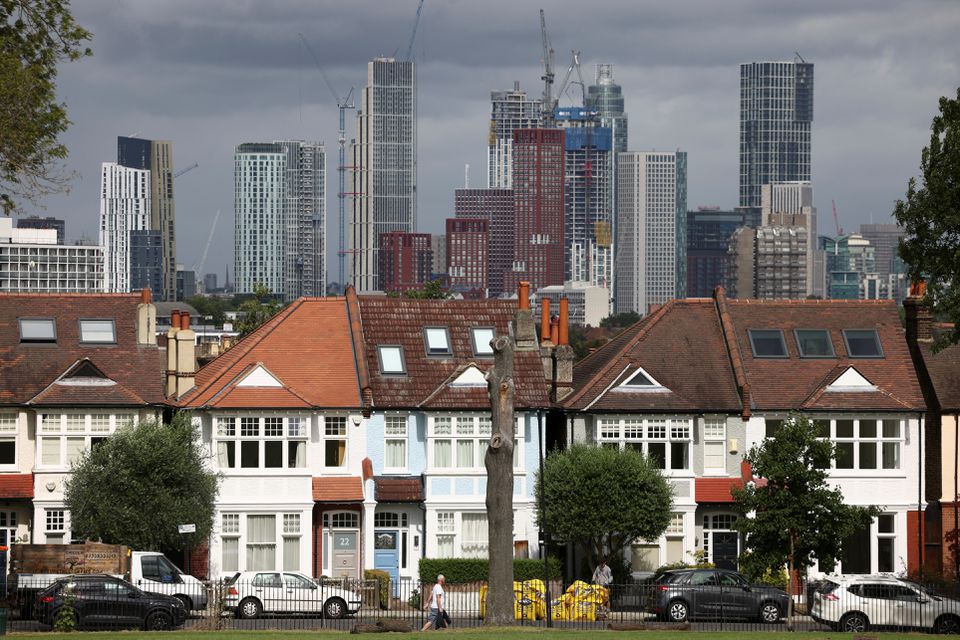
175	319
184	320
564	321
523	295
555	331
544	319
145	295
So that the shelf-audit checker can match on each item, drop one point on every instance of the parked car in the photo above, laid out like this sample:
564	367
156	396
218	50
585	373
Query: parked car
101	600
855	603
683	594
252	593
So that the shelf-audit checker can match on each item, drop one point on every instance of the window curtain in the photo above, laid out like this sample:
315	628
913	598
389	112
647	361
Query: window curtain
298	454
396	454
261	542
465	453
474	535
291	554
231	554
442	454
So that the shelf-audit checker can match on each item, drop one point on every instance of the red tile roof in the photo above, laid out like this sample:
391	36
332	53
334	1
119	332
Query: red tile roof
398	489
28	369
401	321
16	485
338	489
700	351
308	347
715	490
944	371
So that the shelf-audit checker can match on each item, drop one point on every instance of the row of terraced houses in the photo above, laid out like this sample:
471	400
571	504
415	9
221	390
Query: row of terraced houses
350	431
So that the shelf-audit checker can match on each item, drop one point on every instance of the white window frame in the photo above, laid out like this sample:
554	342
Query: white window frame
715	434
56	430
8	525
641	432
436	342
481	348
56	525
887	535
472	427
330	525
396	431
391	350
333	424
237	429
100	335
880	442
9	427
446	533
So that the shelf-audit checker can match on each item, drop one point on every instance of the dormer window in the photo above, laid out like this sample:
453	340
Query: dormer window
862	343
481	337
391	360
640	380
767	343
38	330
98	331
437	340
814	343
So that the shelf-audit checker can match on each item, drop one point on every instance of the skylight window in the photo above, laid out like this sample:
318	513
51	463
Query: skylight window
814	343
862	343
391	360
437	341
767	343
38	330
98	331
481	337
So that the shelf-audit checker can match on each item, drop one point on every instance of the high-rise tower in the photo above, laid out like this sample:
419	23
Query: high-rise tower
605	98
280	207
124	209
384	166
156	156
511	110
776	113
651	240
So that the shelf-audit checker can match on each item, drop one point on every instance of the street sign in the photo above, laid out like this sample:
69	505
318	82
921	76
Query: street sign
187	528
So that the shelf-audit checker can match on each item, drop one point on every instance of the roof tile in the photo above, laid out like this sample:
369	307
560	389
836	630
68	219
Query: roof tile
338	489
16	485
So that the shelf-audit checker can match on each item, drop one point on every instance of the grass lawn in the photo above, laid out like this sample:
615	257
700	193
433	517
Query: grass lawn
472	634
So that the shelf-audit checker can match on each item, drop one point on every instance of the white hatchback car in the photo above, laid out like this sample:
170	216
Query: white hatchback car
252	593
855	603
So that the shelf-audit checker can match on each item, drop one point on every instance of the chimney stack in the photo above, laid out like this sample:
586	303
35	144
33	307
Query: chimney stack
146	320
171	386
919	320
546	345
525	330
544	320
186	354
563	355
564	321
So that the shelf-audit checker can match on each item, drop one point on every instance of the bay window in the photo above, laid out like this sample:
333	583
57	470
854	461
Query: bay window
261	442
862	443
460	441
63	438
665	441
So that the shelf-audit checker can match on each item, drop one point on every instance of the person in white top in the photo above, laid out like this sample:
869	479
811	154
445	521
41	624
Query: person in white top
602	574
436	604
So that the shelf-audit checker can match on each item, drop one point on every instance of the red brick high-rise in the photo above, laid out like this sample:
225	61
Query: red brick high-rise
538	167
405	260
467	256
496	207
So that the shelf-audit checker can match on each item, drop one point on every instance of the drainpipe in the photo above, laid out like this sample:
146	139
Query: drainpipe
920	522
543	511
956	491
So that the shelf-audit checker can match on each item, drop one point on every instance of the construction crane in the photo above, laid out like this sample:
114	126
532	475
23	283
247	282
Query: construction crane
836	219
547	115
344	103
198	267
574	64
413	34
186	169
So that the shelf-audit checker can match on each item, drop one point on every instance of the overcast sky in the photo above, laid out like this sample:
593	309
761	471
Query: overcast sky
209	74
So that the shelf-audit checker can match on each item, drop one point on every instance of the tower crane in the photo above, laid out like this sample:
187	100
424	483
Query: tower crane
574	64
836	219
344	103
186	169
198	267
413	34
547	115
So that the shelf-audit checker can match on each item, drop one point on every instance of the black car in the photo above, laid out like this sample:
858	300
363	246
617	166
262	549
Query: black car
682	594
103	601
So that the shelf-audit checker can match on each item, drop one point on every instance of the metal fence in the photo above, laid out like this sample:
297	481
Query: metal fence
343	604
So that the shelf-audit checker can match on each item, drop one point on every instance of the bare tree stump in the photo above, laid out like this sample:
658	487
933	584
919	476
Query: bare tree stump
383	626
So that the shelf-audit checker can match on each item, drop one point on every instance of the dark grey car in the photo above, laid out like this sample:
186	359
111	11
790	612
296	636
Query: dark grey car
683	594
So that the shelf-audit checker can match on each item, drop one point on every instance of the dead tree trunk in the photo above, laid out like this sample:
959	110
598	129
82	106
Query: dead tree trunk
499	464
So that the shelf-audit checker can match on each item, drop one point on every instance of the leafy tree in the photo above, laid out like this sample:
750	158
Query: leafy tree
580	344
432	290
603	498
931	216
35	36
216	308
793	516
620	320
136	486
256	310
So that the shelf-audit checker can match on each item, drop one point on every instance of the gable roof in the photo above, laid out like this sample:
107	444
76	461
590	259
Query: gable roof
308	347
699	349
428	381
944	371
29	371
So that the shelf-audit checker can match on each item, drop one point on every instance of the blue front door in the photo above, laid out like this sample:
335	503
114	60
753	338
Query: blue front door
386	555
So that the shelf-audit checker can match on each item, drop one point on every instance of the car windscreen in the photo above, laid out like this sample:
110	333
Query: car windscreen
234	579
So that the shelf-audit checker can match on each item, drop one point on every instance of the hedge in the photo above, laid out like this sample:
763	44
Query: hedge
460	570
383	585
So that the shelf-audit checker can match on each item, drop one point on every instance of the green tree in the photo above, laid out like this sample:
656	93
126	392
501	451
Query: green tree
431	290
931	216
216	308
793	516
602	499
136	486
35	36
256	310
620	320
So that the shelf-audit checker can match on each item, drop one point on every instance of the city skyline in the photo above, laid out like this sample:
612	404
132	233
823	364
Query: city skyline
880	69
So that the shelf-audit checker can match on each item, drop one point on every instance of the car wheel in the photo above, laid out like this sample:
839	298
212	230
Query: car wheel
769	612
947	624
158	621
854	623
249	608
334	608
678	611
185	601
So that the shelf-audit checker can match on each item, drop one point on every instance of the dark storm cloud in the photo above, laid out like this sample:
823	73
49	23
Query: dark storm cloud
209	74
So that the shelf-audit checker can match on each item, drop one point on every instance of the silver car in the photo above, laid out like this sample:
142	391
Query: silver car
253	593
855	603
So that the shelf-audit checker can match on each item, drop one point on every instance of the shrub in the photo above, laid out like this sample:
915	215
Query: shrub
774	578
462	570
383	585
